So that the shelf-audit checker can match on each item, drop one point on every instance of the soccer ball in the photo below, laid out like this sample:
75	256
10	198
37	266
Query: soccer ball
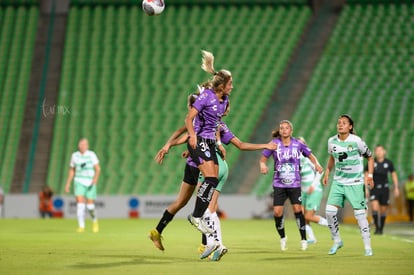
153	7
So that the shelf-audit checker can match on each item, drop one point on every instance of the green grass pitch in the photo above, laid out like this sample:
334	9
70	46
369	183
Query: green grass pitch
122	247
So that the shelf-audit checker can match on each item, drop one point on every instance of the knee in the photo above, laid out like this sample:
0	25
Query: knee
308	215
277	212
360	213
331	210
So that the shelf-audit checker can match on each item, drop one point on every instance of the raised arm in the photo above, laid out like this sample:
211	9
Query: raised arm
252	146
173	140
315	162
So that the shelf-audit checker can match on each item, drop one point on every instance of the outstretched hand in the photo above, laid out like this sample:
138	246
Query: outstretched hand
159	157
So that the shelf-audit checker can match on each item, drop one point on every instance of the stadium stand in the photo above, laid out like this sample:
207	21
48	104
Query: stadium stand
17	35
126	78
366	71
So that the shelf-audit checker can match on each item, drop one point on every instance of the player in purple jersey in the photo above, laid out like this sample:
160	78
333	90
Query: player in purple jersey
189	182
286	179
201	123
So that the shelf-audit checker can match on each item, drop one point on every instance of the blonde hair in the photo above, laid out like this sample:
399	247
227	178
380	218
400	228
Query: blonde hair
220	78
276	133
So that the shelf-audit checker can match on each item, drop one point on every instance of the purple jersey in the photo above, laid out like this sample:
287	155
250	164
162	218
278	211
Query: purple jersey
287	162
210	111
225	134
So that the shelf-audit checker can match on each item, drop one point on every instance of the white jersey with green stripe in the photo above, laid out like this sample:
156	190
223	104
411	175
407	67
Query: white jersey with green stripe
307	174
307	171
84	165
349	169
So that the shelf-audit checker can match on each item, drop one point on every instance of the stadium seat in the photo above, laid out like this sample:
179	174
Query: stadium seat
127	78
18	25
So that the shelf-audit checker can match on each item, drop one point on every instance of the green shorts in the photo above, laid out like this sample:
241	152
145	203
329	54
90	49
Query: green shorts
312	201
88	192
355	194
222	175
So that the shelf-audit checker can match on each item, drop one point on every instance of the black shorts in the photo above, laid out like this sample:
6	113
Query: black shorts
382	195
205	151
191	174
280	195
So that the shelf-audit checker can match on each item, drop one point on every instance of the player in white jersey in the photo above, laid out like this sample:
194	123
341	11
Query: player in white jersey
84	171
312	193
346	151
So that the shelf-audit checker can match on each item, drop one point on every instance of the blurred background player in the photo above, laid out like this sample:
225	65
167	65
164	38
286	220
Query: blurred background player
84	171
380	194
409	195
45	202
346	151
286	179
312	193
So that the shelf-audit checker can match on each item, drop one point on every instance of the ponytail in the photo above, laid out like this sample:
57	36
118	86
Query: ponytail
208	62
220	78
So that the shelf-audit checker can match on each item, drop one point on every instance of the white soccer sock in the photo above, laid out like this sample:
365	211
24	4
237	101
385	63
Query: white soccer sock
361	216
91	210
322	221
309	231
217	227
80	211
332	218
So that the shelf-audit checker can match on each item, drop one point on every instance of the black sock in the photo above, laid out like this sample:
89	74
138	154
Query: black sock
375	218
204	239
204	195
165	219
383	217
300	221
280	226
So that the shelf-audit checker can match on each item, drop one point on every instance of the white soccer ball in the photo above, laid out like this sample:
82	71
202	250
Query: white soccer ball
153	7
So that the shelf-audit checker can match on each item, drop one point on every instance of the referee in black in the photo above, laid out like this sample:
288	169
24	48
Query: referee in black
380	194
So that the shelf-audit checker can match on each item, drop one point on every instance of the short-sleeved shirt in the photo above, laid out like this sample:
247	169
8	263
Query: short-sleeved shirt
348	155
84	165
287	162
210	110
381	171
225	134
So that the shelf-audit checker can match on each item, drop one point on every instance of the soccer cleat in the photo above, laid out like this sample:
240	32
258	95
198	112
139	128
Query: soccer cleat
95	227
303	245
220	252
80	230
335	248
209	248
283	244
200	224
201	248
156	238
368	252
312	241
